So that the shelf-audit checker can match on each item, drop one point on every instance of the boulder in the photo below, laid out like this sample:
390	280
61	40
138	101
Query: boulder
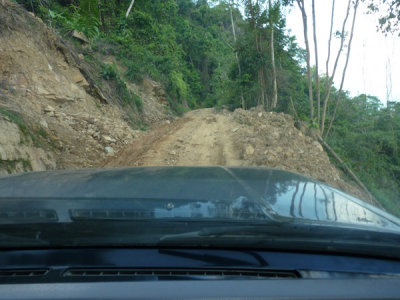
80	36
109	150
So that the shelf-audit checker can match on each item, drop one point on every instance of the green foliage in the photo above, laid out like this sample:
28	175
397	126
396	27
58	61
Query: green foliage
17	119
37	135
389	14
367	136
11	165
82	18
109	72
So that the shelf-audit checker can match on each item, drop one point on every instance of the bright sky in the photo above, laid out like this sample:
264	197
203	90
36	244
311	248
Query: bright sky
374	66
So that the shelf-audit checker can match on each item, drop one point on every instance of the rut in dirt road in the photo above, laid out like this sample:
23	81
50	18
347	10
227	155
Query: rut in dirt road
202	138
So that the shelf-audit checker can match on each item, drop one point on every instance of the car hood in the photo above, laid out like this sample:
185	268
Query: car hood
197	193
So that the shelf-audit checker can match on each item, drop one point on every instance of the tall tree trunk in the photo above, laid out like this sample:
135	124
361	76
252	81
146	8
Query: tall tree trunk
322	124
275	87
236	54
260	79
129	9
316	64
330	82
344	70
300	3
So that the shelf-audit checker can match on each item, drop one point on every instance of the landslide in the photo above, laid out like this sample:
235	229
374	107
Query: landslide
54	113
253	137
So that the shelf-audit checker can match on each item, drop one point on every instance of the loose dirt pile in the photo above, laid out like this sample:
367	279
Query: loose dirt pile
242	138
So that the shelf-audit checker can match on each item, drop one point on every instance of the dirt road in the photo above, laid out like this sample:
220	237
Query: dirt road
201	138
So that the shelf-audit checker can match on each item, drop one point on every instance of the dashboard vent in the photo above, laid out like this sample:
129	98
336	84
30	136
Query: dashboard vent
187	273
43	215
106	214
23	273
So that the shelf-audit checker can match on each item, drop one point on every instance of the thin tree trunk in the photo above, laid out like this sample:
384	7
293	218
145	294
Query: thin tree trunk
264	99
253	21
294	109
300	3
129	9
322	124
275	87
348	170
316	64
236	54
329	87
344	70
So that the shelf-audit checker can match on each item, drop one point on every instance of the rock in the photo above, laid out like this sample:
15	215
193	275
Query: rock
172	152
49	109
275	135
211	120
109	150
148	85
260	114
168	122
109	139
81	57
80	80
80	36
59	114
318	145
43	123
235	129
249	150
96	135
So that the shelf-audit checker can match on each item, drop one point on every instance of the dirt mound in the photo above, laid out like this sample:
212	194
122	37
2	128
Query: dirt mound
242	138
272	139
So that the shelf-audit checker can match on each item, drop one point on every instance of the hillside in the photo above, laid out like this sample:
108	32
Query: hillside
52	113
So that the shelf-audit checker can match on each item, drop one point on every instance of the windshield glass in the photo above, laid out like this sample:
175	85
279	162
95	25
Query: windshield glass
191	118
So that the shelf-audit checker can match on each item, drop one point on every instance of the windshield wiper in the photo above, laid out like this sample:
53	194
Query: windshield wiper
210	232
21	241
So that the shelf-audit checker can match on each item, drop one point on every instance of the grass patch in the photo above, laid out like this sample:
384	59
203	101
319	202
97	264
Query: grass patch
11	165
38	135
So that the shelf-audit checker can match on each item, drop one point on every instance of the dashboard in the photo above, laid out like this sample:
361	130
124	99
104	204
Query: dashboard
167	273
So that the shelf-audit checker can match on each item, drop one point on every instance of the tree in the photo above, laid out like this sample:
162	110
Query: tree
337	100
236	54
330	78
271	28
389	10
300	4
316	62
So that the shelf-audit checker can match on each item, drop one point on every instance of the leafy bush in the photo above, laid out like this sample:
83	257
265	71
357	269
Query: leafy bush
83	18
109	72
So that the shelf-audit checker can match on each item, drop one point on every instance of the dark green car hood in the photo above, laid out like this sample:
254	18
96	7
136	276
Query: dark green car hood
245	194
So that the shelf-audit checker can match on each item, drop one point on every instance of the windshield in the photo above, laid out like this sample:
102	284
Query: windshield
203	122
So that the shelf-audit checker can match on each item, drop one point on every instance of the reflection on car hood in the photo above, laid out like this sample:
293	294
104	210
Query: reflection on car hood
198	192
